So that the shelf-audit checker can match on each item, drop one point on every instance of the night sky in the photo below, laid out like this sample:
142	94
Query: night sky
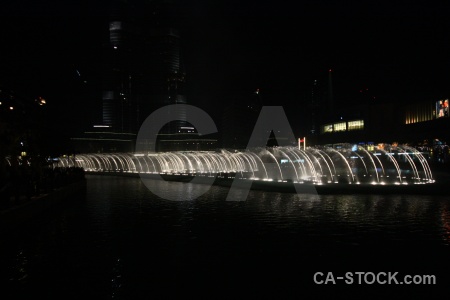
398	50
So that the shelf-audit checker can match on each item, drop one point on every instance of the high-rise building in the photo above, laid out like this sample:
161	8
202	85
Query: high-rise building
142	71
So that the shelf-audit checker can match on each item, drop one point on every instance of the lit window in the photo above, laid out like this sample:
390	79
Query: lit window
356	125
327	128
340	126
115	25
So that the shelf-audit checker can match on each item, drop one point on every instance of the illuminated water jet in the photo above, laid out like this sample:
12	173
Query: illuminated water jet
319	165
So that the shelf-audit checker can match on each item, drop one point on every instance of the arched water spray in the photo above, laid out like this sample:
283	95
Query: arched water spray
256	157
319	153
290	161
301	166
346	162
274	158
373	162
313	164
410	161
423	162
395	163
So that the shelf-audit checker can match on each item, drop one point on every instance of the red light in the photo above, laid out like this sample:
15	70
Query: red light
329	70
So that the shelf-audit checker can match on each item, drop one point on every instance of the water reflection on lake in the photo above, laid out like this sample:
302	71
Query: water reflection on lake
124	242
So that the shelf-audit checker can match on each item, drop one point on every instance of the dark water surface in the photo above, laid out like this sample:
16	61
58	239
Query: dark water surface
123	242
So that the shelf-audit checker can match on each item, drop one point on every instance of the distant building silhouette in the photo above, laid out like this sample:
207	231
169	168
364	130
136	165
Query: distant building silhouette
142	71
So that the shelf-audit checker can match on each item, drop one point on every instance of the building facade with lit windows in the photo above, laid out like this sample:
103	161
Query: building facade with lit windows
426	111
343	126
363	124
425	125
428	120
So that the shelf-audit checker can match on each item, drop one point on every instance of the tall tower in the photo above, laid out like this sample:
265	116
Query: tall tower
141	71
164	78
118	107
143	64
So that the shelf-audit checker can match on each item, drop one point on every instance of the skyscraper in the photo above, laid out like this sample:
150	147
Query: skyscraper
142	63
142	71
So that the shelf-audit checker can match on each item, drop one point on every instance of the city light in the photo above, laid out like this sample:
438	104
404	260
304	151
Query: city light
41	101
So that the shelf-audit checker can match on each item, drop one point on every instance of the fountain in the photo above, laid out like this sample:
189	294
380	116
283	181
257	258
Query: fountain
384	165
